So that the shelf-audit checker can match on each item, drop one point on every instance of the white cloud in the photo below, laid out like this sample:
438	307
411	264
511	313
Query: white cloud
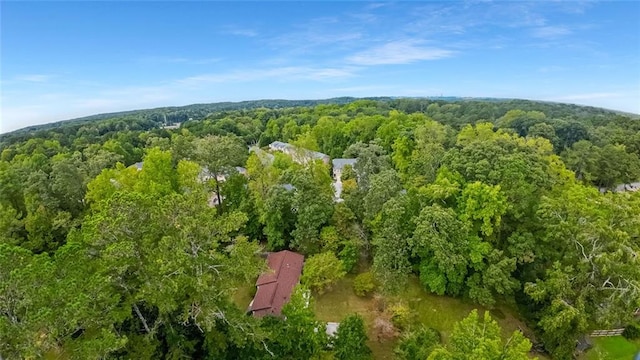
179	60
287	73
361	89
546	32
239	31
398	52
551	68
39	78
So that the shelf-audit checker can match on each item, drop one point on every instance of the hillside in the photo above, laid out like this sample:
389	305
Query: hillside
492	108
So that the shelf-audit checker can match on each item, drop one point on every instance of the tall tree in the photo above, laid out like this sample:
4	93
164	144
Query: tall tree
372	159
591	240
440	241
219	155
392	228
474	338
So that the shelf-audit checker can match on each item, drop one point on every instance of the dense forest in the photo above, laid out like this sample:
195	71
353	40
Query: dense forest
495	202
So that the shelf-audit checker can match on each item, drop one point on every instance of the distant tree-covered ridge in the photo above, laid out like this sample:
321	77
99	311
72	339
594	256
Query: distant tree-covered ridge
123	239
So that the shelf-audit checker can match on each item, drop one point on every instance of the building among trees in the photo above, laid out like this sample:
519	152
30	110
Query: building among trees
276	285
299	155
338	166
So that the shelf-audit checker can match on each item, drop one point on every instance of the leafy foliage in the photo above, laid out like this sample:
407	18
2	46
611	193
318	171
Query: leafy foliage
417	344
364	284
322	270
475	338
632	331
101	258
350	339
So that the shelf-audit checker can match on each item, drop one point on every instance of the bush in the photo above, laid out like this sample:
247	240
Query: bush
632	331
401	316
417	344
364	284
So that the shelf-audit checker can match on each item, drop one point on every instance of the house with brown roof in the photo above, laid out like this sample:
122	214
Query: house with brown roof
276	286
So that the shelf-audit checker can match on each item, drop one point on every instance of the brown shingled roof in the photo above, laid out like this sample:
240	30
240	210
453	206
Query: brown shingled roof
276	285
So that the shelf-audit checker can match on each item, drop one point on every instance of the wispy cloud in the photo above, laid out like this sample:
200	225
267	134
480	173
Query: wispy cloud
551	68
360	89
178	60
398	52
38	78
239	31
316	37
287	73
549	32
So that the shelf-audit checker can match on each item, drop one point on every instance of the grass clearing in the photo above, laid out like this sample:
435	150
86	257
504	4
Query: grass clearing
612	348
438	312
340	301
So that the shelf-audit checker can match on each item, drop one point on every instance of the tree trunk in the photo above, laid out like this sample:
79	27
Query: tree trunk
218	192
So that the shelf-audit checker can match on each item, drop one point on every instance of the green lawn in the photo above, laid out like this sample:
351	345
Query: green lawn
612	348
340	301
243	296
438	312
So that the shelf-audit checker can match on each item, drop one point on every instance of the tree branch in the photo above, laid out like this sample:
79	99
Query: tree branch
144	322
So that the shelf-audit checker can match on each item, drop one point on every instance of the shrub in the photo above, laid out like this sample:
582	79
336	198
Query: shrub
632	331
401	316
364	284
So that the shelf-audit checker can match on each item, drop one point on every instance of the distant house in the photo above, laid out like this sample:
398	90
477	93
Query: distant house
635	186
276	286
338	166
281	146
299	155
138	165
171	127
206	175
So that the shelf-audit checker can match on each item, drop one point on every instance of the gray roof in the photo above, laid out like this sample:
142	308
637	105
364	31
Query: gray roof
281	146
288	187
138	165
318	155
264	156
340	163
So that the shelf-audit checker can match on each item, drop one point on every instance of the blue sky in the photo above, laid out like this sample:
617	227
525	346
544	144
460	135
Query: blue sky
68	59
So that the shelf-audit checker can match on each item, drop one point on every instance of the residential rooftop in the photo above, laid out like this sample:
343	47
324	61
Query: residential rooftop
276	286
